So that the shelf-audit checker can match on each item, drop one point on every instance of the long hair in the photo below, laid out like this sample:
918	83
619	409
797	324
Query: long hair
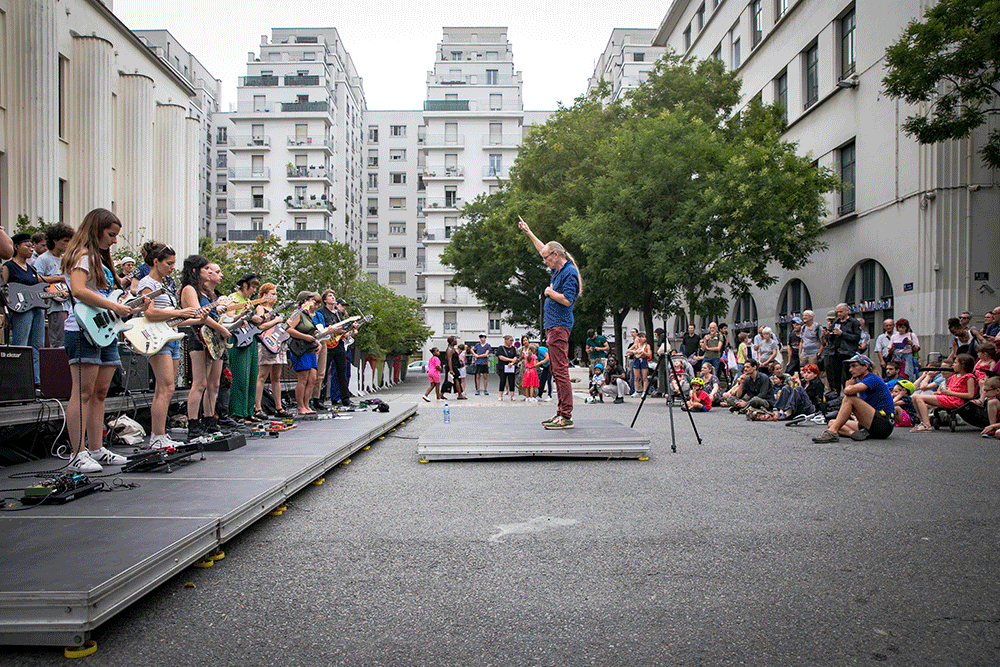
558	248
191	273
87	240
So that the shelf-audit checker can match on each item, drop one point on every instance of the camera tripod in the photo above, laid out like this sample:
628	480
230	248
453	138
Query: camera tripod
675	376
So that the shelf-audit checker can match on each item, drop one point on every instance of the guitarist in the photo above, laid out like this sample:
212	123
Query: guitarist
243	361
26	328
89	272
162	259
339	390
199	278
57	237
269	363
326	316
302	348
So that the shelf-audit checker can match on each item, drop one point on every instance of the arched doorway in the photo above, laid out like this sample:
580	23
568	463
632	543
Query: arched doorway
794	299
869	294
744	318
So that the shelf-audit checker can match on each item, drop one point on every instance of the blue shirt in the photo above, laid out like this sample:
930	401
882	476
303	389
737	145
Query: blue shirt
877	395
566	281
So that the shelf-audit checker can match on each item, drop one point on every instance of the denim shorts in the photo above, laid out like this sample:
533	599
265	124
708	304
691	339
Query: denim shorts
80	350
171	347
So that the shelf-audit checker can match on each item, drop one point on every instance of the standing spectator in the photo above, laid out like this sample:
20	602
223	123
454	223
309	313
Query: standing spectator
691	345
883	347
544	372
507	365
641	354
713	344
794	343
810	334
844	335
767	349
742	349
597	348
560	295
461	372
662	346
866	338
49	264
905	345
530	379
481	353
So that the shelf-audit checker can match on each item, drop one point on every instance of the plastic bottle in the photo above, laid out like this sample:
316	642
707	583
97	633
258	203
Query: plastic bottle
447	414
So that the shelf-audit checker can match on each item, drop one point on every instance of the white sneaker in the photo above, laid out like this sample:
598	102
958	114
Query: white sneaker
546	398
163	442
83	463
105	455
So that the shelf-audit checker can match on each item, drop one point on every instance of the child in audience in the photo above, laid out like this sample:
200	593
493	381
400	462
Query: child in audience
906	414
990	391
596	382
698	400
961	387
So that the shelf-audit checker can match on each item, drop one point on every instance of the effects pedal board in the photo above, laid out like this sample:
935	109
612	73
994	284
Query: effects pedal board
60	489
155	459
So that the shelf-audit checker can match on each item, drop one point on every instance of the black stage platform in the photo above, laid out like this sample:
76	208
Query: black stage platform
66	569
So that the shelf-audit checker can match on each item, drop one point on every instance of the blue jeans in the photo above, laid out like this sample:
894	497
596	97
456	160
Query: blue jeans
715	364
27	329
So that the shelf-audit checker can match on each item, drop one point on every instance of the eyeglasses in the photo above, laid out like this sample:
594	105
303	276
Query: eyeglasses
964	317
545	257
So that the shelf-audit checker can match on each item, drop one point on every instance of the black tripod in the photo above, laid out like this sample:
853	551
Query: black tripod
675	376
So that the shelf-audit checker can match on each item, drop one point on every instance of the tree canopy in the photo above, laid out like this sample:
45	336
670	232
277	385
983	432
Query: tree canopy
949	60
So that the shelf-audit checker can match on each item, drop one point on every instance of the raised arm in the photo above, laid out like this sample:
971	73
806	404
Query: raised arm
523	226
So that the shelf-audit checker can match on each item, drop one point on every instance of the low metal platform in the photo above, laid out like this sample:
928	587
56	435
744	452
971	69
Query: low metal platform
594	438
66	569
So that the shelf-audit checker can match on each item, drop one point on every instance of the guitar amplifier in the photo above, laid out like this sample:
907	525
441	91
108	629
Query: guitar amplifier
134	374
54	372
18	372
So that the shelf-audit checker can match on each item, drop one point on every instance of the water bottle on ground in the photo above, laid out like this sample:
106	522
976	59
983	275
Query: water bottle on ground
447	414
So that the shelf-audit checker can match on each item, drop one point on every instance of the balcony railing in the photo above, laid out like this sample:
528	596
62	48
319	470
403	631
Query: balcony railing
309	142
440	171
494	172
436	234
308	235
371	238
251	204
502	140
258	107
247	234
475	80
249	173
291	107
373	211
263	80
306	80
448	298
309	205
445	140
221	214
446	105
308	172
446	203
237	143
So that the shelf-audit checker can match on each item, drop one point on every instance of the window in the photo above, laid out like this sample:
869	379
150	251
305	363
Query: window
397	202
257	166
309	55
63	95
373	134
717	54
222	136
373	207
781	93
372	259
398	155
756	22
373	276
492	77
397	252
421	284
398	178
450	321
496	134
847	175
495	320
257	195
397	277
700	16
847	62
687	37
737	56
397	227
780	7
300	223
221	208
221	160
454	75
220	183
812	75
456	55
638	57
372	157
496	102
496	164
257	224
492	55
373	182
397	130
260	103
450	196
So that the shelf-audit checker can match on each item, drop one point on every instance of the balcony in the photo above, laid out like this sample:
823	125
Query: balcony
449	298
309	205
249	143
440	172
371	238
247	234
308	174
221	214
258	107
255	81
373	211
436	234
445	203
494	172
308	235
249	174
305	107
307	80
309	143
446	105
445	141
250	205
502	141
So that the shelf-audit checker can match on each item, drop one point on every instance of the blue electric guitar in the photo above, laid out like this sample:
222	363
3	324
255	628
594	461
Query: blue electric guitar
103	326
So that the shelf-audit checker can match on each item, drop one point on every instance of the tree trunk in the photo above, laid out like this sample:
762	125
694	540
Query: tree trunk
619	316
647	316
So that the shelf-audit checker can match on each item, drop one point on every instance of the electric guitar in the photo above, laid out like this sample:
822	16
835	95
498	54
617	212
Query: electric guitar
22	298
215	344
278	334
336	338
244	335
147	337
103	326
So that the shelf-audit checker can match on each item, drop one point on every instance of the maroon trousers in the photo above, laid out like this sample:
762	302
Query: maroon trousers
558	342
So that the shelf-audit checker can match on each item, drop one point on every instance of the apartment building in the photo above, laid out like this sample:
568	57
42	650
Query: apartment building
626	61
294	146
202	107
91	117
913	234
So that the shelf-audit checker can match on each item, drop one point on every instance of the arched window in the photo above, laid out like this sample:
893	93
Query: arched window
794	299
680	325
869	294
744	316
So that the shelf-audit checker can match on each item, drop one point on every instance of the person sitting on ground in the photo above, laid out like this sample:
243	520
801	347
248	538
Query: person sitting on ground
905	345
698	400
905	414
991	326
790	400
929	381
756	390
711	384
814	387
866	410
960	388
596	382
614	380
892	373
990	391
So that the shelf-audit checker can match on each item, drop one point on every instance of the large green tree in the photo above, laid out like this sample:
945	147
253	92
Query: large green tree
950	61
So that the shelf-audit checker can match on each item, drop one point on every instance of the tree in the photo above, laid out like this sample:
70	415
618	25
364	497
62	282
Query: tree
950	61
705	88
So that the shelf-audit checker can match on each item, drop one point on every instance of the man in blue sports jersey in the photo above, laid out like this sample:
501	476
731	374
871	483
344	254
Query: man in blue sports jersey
867	410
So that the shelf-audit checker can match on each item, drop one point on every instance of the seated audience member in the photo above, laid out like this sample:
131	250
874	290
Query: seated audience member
790	400
959	388
990	391
988	363
991	326
962	342
680	378
815	389
867	409
698	400
892	373
711	384
614	380
756	390
929	381
906	414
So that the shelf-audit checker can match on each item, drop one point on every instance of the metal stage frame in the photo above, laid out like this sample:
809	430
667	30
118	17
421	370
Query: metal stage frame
67	569
589	438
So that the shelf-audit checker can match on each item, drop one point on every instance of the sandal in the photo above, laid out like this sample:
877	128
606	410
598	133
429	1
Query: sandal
283	414
260	416
921	428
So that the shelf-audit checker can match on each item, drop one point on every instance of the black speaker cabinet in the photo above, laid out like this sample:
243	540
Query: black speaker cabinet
54	372
18	372
134	374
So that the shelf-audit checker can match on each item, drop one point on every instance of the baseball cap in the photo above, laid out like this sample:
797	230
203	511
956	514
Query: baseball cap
127	260
831	314
341	302
860	359
482	335
797	320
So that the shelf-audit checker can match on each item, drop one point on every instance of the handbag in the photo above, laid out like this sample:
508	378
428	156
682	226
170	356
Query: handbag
300	347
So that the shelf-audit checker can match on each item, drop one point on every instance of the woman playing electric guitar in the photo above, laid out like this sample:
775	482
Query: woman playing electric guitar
243	360
302	348
162	259
269	363
199	278
89	272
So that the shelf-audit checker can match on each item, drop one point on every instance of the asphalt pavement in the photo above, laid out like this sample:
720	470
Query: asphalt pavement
755	547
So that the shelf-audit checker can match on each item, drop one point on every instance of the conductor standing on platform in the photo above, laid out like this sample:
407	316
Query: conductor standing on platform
560	295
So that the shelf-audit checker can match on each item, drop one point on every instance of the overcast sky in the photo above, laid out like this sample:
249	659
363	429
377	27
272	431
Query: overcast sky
392	43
